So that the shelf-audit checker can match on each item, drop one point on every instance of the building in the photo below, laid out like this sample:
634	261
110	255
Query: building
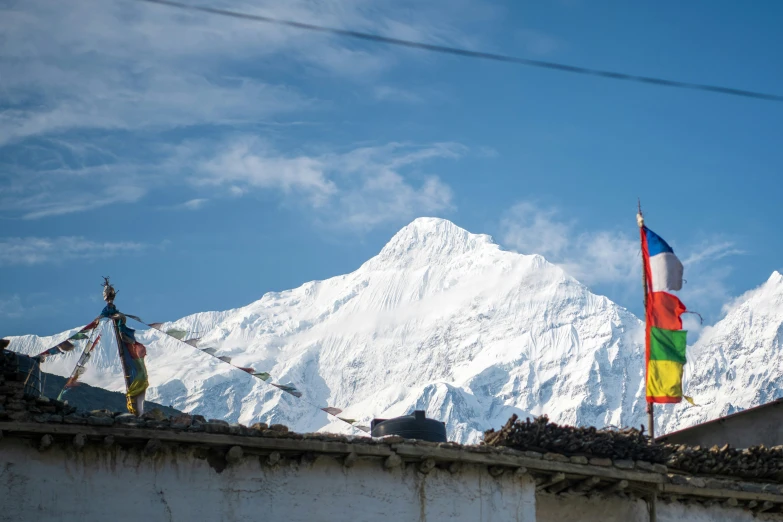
61	464
752	427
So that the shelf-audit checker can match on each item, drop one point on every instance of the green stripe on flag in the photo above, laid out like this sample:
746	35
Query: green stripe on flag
667	345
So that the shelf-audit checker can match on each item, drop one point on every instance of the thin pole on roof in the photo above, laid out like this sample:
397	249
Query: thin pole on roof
650	405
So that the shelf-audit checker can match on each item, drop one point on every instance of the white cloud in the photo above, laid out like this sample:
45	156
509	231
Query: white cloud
194	204
62	181
248	163
360	188
592	257
612	259
131	65
97	95
712	251
40	250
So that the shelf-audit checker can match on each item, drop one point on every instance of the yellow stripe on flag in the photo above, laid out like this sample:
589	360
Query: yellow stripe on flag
664	379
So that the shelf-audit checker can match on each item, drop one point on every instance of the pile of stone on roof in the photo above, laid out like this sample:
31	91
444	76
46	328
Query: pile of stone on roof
544	436
755	462
15	405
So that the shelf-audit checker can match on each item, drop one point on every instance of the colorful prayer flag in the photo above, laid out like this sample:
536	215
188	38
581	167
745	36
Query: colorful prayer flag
665	339
666	310
288	388
176	333
664	269
332	411
65	346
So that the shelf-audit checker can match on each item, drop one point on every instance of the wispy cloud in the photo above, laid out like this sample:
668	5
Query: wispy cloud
131	65
712	251
40	250
57	178
611	260
193	204
98	98
11	306
249	163
592	257
360	188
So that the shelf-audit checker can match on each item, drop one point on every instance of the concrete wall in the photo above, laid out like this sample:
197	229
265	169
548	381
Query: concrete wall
550	508
763	425
123	485
119	485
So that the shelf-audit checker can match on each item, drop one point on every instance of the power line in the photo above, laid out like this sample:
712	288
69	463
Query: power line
474	54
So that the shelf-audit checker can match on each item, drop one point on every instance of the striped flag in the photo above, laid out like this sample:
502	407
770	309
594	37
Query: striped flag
665	338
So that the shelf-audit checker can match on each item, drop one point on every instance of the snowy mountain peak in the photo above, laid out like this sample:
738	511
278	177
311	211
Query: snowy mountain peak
445	321
426	240
441	320
766	300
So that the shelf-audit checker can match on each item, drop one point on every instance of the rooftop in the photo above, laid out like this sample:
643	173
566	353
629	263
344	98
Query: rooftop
46	423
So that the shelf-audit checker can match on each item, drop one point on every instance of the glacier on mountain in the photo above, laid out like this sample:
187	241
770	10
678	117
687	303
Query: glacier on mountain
441	320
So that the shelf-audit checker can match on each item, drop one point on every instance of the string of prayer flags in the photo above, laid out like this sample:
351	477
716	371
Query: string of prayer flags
289	388
80	366
65	346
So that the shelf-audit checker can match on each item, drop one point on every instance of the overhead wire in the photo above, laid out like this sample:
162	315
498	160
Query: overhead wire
472	54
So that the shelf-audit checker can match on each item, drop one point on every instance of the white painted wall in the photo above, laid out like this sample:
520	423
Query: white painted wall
123	485
118	485
676	512
550	508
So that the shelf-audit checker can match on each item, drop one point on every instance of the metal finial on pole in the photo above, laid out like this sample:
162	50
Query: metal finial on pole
109	293
639	215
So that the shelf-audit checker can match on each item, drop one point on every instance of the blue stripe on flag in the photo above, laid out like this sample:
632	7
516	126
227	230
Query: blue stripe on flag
656	244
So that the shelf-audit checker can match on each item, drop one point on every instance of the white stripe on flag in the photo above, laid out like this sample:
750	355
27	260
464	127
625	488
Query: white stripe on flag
666	272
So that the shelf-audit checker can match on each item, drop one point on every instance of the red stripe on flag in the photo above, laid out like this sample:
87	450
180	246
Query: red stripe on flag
664	400
665	311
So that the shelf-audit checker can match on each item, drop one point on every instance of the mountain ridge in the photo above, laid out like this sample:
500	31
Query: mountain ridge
441	320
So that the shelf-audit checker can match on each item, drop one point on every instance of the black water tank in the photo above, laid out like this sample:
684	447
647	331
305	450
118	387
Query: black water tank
416	426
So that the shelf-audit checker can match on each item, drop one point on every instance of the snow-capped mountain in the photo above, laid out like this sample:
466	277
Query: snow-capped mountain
735	364
440	319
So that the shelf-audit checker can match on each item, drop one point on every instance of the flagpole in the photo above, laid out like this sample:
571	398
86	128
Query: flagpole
650	405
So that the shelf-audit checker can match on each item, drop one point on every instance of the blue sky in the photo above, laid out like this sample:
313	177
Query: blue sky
202	161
